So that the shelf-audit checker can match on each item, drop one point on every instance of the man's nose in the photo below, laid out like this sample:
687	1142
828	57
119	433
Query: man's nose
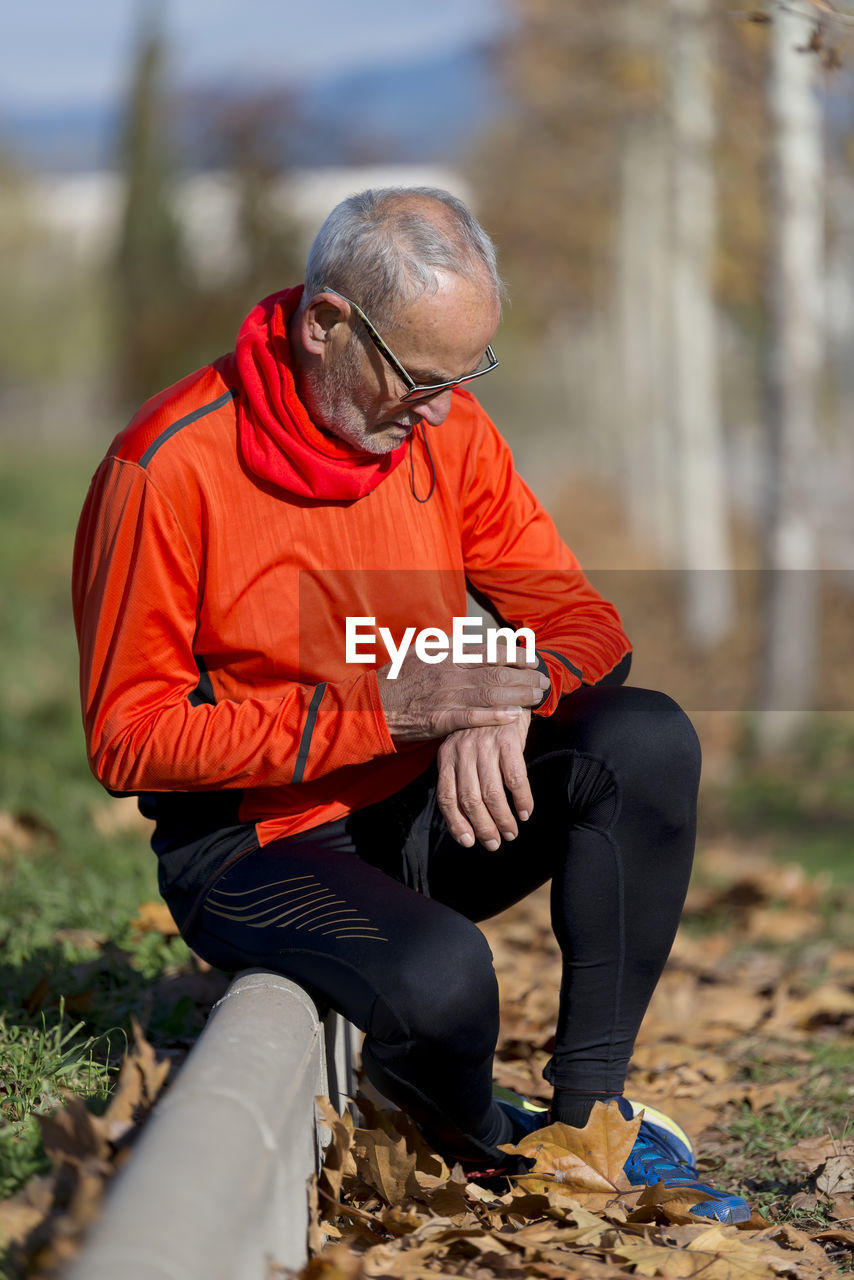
435	409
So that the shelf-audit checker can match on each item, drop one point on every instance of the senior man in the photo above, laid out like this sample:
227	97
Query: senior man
342	819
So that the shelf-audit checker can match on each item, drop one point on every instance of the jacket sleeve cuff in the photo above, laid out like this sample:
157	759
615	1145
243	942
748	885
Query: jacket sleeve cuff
562	680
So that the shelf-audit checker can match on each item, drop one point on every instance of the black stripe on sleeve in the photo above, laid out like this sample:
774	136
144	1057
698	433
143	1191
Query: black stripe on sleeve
308	730
542	666
203	694
576	671
169	431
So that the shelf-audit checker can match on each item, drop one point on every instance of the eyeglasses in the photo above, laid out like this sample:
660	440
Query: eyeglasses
413	388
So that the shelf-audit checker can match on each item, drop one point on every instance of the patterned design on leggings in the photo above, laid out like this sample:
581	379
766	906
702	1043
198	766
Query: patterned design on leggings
304	904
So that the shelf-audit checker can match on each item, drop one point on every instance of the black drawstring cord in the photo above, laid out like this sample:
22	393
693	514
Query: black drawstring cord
412	468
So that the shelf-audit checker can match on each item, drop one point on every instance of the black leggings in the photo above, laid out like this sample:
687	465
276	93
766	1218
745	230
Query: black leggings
614	774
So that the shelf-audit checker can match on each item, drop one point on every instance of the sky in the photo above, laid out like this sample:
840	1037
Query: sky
75	53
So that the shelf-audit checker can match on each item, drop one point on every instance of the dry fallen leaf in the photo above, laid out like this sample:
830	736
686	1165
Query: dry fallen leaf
338	1160
335	1263
18	831
580	1162
841	961
154	917
384	1163
793	1239
813	1151
840	1234
85	939
130	1097
768	925
19	1214
842	1209
828	1003
72	1132
837	1176
668	1204
760	1096
118	815
718	1253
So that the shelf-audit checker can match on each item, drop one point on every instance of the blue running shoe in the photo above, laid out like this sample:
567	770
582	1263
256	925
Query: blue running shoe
528	1117
655	1157
663	1152
668	1136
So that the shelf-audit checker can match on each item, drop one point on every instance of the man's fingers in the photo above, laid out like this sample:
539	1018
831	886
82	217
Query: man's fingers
495	798
459	797
474	718
515	775
506	695
477	793
475	775
518	657
496	687
446	798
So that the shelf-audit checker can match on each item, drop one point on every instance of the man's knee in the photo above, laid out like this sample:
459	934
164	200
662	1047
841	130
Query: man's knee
658	729
444	993
627	722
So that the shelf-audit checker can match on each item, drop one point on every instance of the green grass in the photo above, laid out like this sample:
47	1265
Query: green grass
37	1065
782	1190
67	944
771	1184
803	801
72	971
799	805
40	1062
44	768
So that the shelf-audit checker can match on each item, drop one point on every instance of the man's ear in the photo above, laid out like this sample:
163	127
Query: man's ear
323	321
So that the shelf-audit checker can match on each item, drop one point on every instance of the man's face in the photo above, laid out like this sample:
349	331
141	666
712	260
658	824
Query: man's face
356	395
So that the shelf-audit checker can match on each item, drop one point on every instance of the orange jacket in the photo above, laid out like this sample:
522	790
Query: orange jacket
210	605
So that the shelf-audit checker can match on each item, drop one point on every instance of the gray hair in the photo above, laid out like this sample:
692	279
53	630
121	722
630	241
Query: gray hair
384	246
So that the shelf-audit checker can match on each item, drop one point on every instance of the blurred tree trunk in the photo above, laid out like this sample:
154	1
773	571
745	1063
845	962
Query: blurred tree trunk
642	270
795	357
173	314
149	273
693	385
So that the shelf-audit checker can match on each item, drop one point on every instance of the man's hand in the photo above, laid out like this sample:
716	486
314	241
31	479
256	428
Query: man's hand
431	701
475	766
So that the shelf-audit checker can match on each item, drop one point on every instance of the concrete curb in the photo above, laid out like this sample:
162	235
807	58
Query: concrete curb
216	1188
